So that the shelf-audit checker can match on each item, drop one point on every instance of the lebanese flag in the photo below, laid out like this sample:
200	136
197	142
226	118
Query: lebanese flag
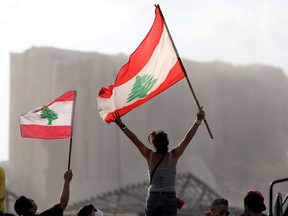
153	67
52	121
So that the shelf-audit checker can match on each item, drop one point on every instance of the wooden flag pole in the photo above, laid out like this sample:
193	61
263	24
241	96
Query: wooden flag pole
197	102
72	124
70	150
183	68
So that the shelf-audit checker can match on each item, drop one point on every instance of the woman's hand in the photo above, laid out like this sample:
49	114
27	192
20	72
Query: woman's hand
117	120
200	114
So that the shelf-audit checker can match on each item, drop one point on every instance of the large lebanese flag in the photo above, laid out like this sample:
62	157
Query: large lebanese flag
52	121
153	67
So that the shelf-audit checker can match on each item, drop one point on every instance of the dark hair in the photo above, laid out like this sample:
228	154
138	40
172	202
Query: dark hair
255	201
22	206
86	210
159	139
219	201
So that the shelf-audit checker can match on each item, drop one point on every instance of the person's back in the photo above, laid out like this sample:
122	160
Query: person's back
165	172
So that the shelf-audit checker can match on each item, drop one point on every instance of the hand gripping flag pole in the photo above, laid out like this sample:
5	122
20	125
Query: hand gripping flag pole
184	70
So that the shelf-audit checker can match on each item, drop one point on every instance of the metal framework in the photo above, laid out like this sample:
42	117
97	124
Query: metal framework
131	199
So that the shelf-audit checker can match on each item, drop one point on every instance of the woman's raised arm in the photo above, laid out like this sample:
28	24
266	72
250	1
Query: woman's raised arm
145	151
180	148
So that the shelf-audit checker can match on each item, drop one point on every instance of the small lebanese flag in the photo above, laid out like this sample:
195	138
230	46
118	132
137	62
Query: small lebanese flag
53	121
153	67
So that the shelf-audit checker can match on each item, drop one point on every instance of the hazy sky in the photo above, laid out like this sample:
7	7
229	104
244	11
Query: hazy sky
234	31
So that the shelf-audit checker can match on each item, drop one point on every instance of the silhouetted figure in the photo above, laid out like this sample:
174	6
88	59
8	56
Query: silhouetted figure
219	207
253	204
89	210
161	198
27	207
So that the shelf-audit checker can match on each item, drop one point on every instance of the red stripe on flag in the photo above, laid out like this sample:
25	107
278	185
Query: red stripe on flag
139	58
45	132
68	96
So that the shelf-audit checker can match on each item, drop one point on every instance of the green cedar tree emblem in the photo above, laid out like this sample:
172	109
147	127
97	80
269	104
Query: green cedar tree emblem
141	86
48	114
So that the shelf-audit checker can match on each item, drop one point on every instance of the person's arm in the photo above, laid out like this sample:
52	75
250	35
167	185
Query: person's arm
180	148
145	151
65	193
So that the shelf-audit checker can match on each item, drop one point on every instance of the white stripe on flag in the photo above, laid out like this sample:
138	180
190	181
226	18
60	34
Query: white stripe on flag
63	109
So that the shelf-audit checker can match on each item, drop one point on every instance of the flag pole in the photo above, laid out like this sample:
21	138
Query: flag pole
72	126
183	68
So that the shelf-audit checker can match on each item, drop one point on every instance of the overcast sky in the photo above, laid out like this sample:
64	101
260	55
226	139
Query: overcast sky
237	32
